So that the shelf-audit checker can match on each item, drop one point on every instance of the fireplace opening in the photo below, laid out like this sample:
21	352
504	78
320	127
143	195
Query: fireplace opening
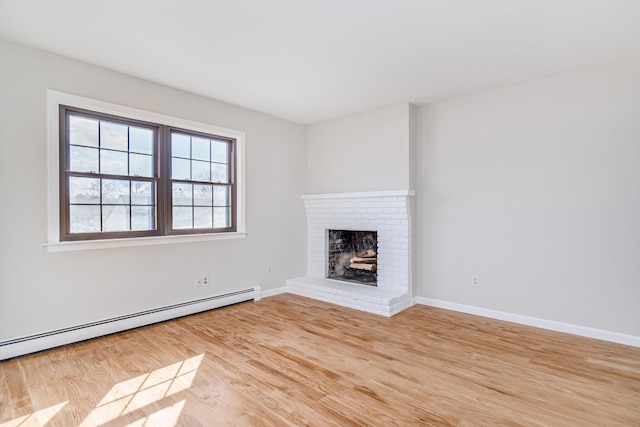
353	256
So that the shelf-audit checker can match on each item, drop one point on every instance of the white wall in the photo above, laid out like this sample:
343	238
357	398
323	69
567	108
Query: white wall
535	188
363	152
41	291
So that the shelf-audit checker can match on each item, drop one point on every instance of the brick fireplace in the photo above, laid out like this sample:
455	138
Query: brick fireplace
388	214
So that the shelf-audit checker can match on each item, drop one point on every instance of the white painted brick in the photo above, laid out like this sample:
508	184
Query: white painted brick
389	216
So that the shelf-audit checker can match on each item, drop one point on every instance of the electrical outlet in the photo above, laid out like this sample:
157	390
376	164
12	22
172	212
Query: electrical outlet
205	280
198	282
475	281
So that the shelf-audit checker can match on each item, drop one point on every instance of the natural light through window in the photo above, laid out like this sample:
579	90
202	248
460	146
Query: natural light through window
37	418
150	394
147	391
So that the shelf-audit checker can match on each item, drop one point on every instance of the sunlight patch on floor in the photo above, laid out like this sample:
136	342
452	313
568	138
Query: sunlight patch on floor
165	417
37	418
145	391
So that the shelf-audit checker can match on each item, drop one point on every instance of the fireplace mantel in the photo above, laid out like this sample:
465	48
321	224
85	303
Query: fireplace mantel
386	212
391	193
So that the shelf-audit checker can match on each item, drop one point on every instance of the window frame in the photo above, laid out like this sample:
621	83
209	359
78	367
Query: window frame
56	241
65	174
231	161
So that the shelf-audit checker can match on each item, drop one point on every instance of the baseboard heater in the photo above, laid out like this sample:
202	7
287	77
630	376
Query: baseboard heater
46	340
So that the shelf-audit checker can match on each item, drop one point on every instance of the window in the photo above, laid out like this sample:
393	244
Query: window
201	182
126	178
129	175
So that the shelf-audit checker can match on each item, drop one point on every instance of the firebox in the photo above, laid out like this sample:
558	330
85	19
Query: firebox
353	256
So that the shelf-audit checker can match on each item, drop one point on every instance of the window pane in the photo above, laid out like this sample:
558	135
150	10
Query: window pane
115	218
200	148
113	162
182	194
140	140
202	217
83	159
221	217
143	193
84	219
114	136
219	151
203	195
219	173
115	192
83	131
143	218
200	170
180	145
84	190
140	165
180	169
221	196
182	217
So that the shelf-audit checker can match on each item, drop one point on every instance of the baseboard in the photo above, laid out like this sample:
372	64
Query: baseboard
568	328
273	292
55	338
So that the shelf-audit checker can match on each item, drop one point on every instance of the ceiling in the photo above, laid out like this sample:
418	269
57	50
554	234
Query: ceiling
313	60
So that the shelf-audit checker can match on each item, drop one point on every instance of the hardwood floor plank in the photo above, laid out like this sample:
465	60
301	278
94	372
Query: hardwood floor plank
291	361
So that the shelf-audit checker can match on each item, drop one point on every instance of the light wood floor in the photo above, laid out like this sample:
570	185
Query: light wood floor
291	361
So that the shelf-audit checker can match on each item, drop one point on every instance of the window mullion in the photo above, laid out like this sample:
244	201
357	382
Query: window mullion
101	203
130	205
163	165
